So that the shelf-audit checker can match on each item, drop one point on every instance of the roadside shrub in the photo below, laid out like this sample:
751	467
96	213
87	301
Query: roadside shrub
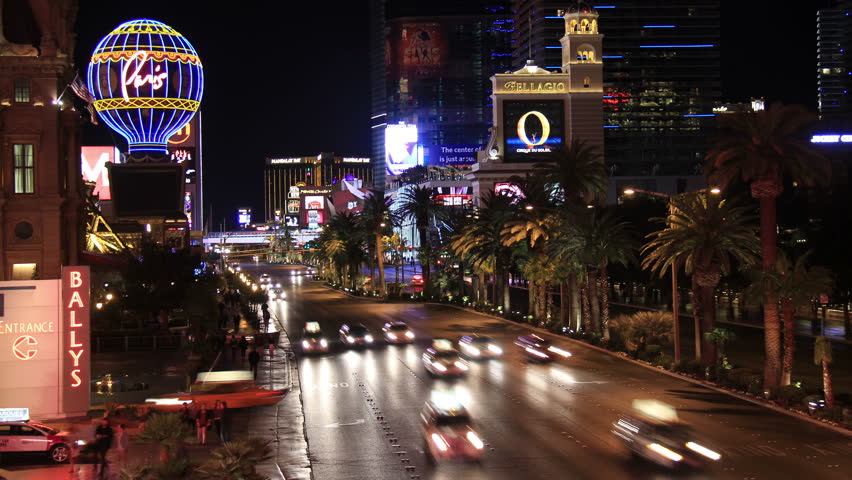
689	367
615	344
788	395
643	329
665	361
836	414
744	380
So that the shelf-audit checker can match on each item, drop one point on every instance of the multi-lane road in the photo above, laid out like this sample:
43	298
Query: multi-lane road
361	408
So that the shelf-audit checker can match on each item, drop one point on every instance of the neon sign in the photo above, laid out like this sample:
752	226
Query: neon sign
147	81
25	347
832	138
76	310
522	129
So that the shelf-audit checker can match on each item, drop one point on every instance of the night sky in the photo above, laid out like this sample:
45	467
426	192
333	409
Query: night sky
286	80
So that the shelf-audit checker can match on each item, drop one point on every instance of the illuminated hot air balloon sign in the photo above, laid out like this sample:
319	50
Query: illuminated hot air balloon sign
147	81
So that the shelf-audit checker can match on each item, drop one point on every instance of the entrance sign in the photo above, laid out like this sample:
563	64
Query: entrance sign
45	352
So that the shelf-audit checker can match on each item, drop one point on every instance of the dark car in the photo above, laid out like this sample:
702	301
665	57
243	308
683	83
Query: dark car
537	349
356	335
397	332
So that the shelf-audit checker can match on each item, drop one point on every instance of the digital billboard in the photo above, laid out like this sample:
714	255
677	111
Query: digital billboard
315	218
147	189
401	149
293	206
244	216
452	154
422	49
291	220
94	162
533	129
314	202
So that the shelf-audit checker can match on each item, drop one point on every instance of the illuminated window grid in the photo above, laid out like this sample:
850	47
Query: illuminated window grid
22	90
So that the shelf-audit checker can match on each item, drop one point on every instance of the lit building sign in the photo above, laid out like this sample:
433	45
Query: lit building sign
291	220
314	202
284	161
244	216
45	352
520	86
355	160
401	149
185	136
147	81
453	154
187	208
93	164
294	192
178	155
832	138
533	129
315	218
293	206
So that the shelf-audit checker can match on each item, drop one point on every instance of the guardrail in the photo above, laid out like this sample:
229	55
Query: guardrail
137	343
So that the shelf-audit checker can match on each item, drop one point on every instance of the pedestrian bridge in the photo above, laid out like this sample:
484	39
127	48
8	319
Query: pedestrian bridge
255	238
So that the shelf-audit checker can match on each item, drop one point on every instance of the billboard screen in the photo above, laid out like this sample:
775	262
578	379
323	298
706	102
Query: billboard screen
293	206
533	129
147	189
94	168
315	218
401	149
291	220
314	202
453	154
244	216
422	49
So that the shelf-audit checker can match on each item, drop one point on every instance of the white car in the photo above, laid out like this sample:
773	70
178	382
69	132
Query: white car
444	363
477	347
397	332
28	437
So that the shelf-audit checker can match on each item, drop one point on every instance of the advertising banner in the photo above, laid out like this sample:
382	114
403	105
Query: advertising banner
461	155
291	220
314	202
293	206
422	49
533	129
94	168
401	148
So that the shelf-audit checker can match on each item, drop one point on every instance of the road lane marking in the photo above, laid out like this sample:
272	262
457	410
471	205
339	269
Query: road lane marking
360	421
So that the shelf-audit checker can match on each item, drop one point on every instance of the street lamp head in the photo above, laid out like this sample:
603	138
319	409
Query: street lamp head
629	191
715	191
382	224
529	207
590	206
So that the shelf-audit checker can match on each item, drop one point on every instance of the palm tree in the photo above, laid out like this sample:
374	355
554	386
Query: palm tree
762	148
376	219
706	235
166	430
822	357
643	328
578	173
601	239
796	285
237	459
419	205
480	244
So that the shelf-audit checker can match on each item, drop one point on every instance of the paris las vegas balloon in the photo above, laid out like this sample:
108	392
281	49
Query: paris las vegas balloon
147	81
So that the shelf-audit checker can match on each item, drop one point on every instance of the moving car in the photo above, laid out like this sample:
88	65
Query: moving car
479	347
444	361
397	332
313	340
236	394
356	335
277	294
656	434
537	349
264	278
27	437
417	279
448	432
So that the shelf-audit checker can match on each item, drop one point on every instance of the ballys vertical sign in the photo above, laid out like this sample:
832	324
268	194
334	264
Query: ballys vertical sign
76	352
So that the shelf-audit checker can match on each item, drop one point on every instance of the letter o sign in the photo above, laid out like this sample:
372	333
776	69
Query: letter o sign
522	128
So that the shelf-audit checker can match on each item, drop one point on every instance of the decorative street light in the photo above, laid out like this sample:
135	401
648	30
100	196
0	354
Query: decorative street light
675	296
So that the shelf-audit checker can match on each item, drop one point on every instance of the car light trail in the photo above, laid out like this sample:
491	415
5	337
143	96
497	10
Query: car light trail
656	447
703	450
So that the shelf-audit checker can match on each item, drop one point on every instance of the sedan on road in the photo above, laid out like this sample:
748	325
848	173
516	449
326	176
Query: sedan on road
537	349
448	433
314	342
444	363
356	335
479	347
25	437
397	332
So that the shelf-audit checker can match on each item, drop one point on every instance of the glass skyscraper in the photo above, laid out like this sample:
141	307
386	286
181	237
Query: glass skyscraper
431	65
834	60
661	76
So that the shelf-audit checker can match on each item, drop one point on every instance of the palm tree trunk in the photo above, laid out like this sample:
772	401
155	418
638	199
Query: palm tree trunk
372	272
826	385
587	316
381	261
789	341
594	302
708	323
563	304
507	298
531	298
546	299
424	263
576	314
847	321
771	326
697	309
494	282
604	301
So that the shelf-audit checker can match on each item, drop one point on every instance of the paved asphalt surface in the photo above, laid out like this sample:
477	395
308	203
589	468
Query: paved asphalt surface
361	408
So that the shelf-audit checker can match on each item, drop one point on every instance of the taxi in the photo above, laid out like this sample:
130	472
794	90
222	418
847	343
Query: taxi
22	437
448	432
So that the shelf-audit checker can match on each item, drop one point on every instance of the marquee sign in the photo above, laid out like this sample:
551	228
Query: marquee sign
45	351
147	81
533	129
531	86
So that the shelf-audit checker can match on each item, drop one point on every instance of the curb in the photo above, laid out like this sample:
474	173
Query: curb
695	381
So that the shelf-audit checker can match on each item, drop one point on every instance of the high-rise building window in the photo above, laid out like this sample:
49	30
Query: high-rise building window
22	90
24	168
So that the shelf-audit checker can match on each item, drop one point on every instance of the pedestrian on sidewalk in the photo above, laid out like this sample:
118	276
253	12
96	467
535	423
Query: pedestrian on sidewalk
270	338
236	322
103	442
218	419
202	423
254	359
266	317
243	347
186	415
121	442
